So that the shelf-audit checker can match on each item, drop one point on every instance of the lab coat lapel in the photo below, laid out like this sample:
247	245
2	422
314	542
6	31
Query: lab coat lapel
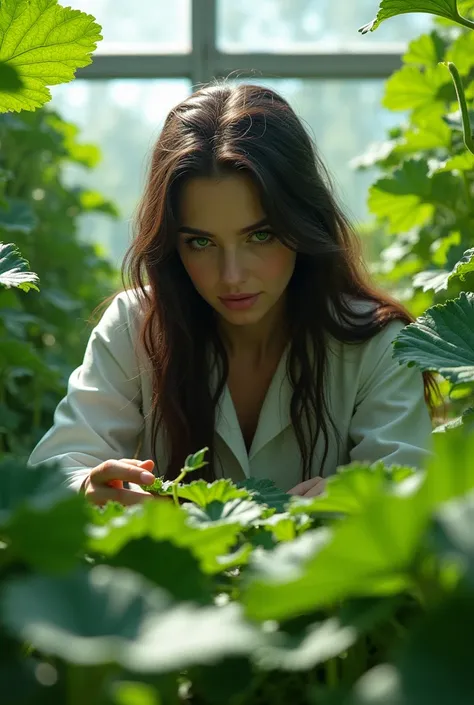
275	413
228	427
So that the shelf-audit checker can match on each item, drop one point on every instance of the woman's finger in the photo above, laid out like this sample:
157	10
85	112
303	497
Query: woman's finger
101	495
303	487
113	470
317	489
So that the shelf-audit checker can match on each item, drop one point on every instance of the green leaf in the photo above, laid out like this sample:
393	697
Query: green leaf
452	535
134	693
171	567
240	511
442	340
20	354
460	162
461	53
266	492
464	266
45	43
225	682
9	78
380	686
110	615
426	50
38	488
432	134
403	198
317	644
98	203
432	280
41	519
466	419
351	489
285	527
195	461
162	520
409	88
392	8
14	270
200	492
438	280
435	666
369	554
18	217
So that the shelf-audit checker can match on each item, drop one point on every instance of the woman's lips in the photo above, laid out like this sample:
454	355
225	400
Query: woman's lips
239	303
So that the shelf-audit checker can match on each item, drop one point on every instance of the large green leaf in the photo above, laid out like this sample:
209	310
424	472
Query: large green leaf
435	666
201	492
421	91
266	492
42	521
452	534
315	645
241	511
112	615
392	8
162	520
14	270
351	489
403	199
427	50
17	354
442	340
461	53
439	279
45	43
171	567
465	265
371	553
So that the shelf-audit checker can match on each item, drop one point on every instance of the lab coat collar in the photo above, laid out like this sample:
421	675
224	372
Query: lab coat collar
274	416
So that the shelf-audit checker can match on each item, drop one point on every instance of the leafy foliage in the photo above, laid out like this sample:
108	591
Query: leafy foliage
14	270
42	337
160	594
426	196
41	44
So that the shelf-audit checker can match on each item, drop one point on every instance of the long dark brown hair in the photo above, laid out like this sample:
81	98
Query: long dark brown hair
223	128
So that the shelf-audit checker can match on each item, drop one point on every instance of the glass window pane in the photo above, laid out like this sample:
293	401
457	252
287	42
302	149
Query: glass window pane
341	132
309	25
148	26
123	118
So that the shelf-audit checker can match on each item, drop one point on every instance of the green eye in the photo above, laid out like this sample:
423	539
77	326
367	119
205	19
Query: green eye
262	236
199	243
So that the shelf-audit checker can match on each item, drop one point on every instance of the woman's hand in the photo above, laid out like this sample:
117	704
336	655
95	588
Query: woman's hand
105	481
310	488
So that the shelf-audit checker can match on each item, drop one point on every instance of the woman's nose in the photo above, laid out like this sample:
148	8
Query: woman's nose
232	271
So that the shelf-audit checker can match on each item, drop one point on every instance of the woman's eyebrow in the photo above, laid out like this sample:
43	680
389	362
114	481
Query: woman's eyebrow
205	233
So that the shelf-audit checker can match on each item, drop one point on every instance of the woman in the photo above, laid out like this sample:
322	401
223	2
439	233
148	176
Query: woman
250	325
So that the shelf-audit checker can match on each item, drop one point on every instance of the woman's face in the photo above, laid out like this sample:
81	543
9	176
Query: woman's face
228	249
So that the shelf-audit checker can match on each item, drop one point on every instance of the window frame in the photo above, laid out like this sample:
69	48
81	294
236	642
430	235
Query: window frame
205	61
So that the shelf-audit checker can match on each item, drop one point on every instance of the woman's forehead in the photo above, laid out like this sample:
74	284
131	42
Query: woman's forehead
210	203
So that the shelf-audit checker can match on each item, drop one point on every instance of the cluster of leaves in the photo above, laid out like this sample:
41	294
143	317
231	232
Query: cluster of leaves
42	338
242	594
426	196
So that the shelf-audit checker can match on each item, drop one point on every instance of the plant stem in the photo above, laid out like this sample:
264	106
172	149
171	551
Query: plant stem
332	672
467	185
174	486
464	21
468	134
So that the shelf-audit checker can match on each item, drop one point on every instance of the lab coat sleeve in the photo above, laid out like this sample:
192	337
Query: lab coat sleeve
100	417
391	421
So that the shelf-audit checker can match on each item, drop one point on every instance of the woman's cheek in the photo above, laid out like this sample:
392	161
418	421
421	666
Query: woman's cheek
199	268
